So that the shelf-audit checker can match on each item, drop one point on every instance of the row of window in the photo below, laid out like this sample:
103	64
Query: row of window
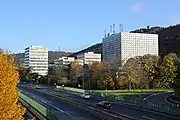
38	60
39	69
40	66
39	54
39	63
39	51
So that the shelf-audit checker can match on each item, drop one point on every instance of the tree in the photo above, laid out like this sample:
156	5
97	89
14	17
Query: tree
108	83
131	73
9	78
99	72
21	71
27	75
151	65
86	82
167	71
114	70
75	71
160	71
34	76
176	82
51	75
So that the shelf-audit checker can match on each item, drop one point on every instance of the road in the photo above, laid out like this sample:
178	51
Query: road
158	98
121	108
66	110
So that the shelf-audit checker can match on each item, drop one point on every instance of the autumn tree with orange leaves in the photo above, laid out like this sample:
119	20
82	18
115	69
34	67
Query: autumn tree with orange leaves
9	78
75	72
100	75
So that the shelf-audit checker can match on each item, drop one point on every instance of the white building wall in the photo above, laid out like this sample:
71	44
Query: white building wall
88	58
138	44
37	58
125	45
64	60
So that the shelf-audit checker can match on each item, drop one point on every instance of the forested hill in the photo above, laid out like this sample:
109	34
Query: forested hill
52	55
97	48
169	38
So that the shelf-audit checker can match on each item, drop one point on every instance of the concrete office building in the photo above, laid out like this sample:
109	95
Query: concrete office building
124	45
64	61
88	58
36	57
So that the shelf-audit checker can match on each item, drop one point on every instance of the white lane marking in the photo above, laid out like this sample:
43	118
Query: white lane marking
26	92
43	101
56	108
61	110
148	118
65	94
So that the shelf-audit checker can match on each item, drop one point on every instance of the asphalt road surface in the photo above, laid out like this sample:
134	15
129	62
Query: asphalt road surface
121	108
136	113
158	98
64	109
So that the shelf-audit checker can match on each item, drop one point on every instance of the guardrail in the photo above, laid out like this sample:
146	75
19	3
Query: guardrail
45	113
95	111
173	101
31	113
114	91
105	114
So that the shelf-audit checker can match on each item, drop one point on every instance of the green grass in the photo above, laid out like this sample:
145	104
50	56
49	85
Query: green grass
132	95
135	91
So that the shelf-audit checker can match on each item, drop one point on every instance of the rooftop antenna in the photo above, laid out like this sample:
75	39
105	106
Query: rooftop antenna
121	27
59	48
105	33
113	28
110	28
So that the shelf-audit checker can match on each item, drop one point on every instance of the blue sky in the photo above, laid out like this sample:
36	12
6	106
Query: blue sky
76	24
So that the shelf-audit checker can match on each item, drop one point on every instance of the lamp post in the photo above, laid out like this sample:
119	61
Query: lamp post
86	72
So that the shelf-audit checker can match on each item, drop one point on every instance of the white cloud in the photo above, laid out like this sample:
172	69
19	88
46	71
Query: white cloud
138	7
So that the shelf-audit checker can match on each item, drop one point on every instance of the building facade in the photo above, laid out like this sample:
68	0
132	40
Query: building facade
64	61
125	45
36	57
88	58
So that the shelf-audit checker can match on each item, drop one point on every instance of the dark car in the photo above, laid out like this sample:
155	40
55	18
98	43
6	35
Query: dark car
104	104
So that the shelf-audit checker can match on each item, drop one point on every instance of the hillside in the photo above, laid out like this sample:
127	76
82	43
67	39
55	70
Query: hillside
18	58
52	55
56	54
97	48
169	40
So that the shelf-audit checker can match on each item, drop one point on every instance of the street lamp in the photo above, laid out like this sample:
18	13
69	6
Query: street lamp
63	86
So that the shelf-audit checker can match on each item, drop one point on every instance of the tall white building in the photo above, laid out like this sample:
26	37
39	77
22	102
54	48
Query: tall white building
36	57
125	45
64	61
88	58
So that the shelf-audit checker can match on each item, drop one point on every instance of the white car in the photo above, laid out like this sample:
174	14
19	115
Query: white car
85	96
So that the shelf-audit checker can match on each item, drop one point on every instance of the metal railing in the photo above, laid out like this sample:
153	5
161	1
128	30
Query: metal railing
41	111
